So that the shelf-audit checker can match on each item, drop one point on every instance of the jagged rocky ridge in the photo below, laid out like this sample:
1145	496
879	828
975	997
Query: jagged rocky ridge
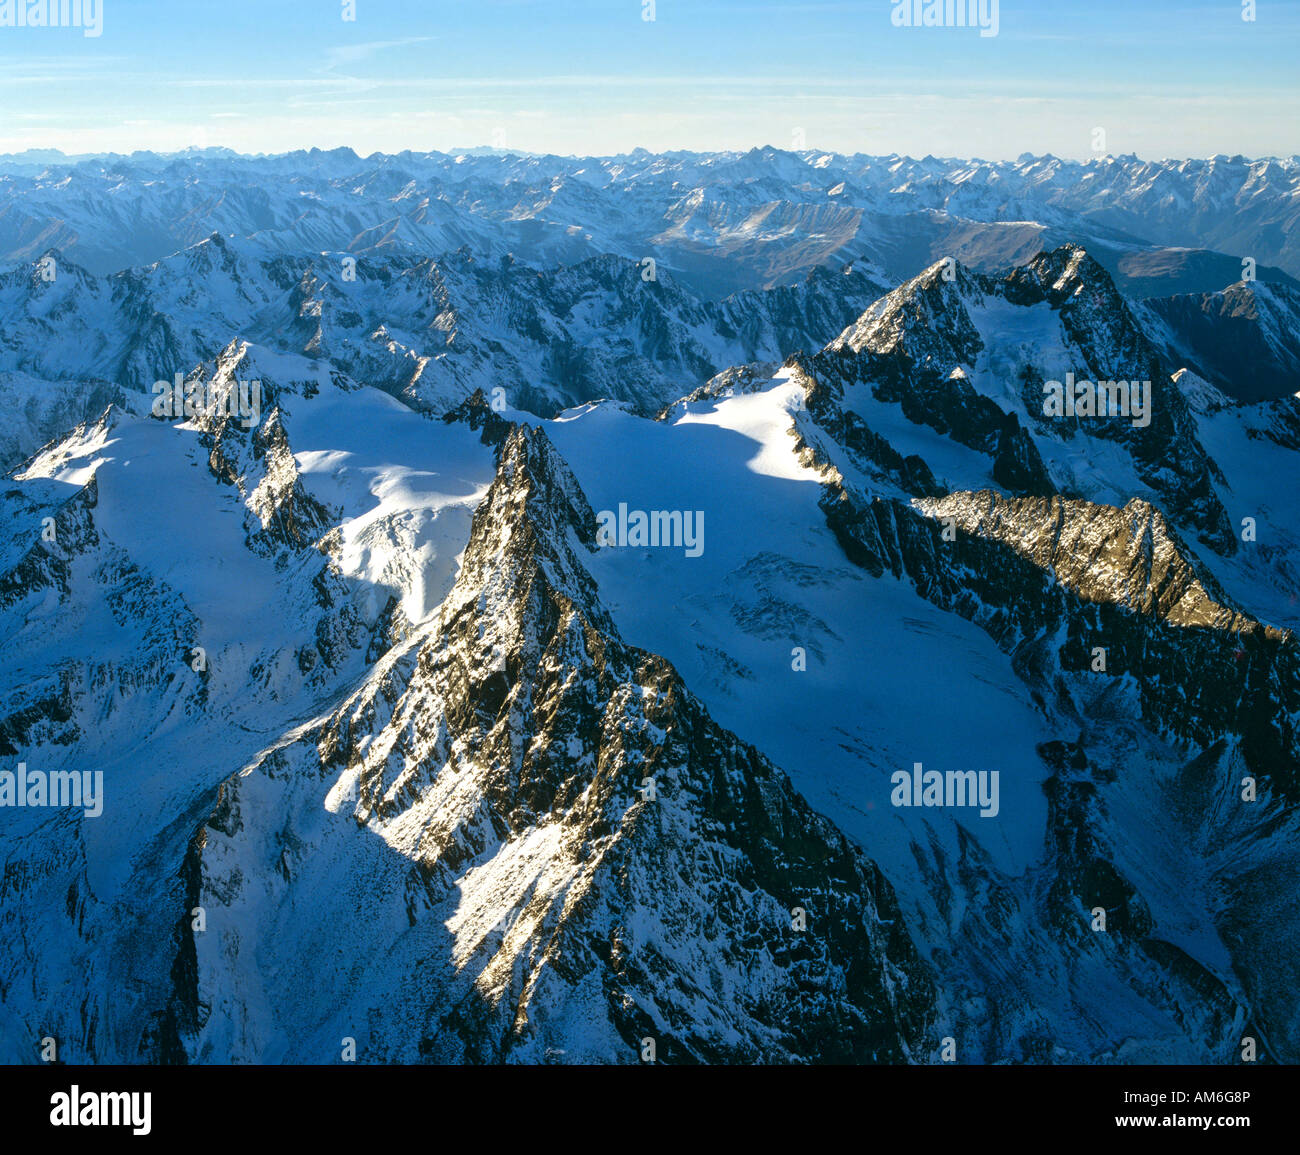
917	347
523	898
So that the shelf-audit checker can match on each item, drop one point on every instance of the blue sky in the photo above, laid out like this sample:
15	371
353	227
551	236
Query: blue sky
592	76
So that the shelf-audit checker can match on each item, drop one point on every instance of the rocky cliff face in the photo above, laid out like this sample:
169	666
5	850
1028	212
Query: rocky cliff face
1244	338
939	348
563	854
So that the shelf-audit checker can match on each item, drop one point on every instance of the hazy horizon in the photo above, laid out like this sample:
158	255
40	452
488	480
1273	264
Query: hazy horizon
600	78
479	149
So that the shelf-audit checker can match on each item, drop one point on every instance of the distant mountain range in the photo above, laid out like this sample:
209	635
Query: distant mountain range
717	221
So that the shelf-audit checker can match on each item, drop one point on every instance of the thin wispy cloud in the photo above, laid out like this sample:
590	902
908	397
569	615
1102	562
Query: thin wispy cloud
597	78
